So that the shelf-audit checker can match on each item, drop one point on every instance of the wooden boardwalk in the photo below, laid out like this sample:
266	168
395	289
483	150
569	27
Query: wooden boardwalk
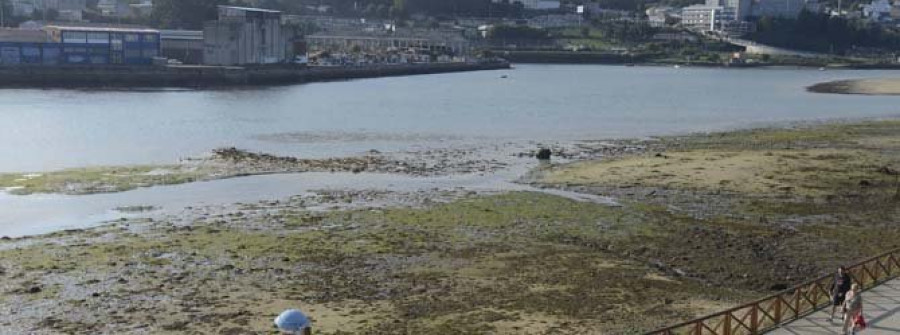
881	307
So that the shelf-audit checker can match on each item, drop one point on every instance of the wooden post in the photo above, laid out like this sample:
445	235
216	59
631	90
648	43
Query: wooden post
698	328
778	310
875	271
754	319
797	302
726	324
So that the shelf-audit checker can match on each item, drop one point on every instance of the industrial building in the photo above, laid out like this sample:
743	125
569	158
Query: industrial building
447	43
186	46
91	45
26	47
73	45
245	36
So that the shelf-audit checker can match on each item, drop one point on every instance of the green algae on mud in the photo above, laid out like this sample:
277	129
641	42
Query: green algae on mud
99	179
825	160
486	264
231	162
757	209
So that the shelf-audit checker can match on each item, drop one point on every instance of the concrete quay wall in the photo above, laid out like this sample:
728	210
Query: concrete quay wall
209	76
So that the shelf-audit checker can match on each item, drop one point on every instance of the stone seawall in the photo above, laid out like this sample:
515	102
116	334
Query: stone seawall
211	76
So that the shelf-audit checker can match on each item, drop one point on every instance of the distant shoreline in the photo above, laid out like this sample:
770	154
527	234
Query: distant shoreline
881	86
213	76
611	58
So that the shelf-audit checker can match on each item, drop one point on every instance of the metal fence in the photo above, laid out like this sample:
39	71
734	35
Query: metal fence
770	312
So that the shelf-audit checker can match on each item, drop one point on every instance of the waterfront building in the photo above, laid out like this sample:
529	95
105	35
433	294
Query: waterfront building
185	46
376	44
19	47
245	36
105	45
72	45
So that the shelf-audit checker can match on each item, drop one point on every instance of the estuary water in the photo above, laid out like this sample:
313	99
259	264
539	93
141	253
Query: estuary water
44	130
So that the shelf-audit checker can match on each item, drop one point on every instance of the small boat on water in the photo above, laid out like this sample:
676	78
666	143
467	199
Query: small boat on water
677	66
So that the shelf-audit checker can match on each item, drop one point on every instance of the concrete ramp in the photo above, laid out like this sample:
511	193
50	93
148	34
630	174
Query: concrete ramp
757	48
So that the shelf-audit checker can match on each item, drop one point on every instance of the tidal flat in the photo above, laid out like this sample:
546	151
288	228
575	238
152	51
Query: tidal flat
703	222
876	86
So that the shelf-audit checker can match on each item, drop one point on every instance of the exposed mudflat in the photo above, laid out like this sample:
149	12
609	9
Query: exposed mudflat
697	224
882	86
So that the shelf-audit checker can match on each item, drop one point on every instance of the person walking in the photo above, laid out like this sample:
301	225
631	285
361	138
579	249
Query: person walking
854	308
839	288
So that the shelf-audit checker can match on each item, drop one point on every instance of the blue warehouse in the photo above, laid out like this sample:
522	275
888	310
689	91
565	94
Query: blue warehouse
85	45
74	45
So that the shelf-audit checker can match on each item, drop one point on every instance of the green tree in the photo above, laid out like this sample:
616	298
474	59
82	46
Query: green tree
399	8
184	14
5	12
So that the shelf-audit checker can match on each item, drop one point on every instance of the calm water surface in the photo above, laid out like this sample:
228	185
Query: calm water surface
50	129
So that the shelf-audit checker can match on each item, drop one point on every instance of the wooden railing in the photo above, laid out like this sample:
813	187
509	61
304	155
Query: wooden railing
770	312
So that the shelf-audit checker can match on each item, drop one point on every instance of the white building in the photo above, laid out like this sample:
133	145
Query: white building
114	8
659	16
741	8
69	10
706	17
877	10
23	7
537	4
245	36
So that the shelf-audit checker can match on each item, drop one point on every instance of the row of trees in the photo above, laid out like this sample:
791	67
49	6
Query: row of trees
823	33
184	14
190	14
626	31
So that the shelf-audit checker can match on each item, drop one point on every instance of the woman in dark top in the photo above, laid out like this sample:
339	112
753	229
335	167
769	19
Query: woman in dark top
839	289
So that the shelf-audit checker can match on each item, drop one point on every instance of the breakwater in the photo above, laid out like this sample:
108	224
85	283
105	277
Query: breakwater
213	76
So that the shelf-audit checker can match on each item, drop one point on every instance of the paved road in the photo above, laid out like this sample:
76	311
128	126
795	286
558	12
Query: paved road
881	307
